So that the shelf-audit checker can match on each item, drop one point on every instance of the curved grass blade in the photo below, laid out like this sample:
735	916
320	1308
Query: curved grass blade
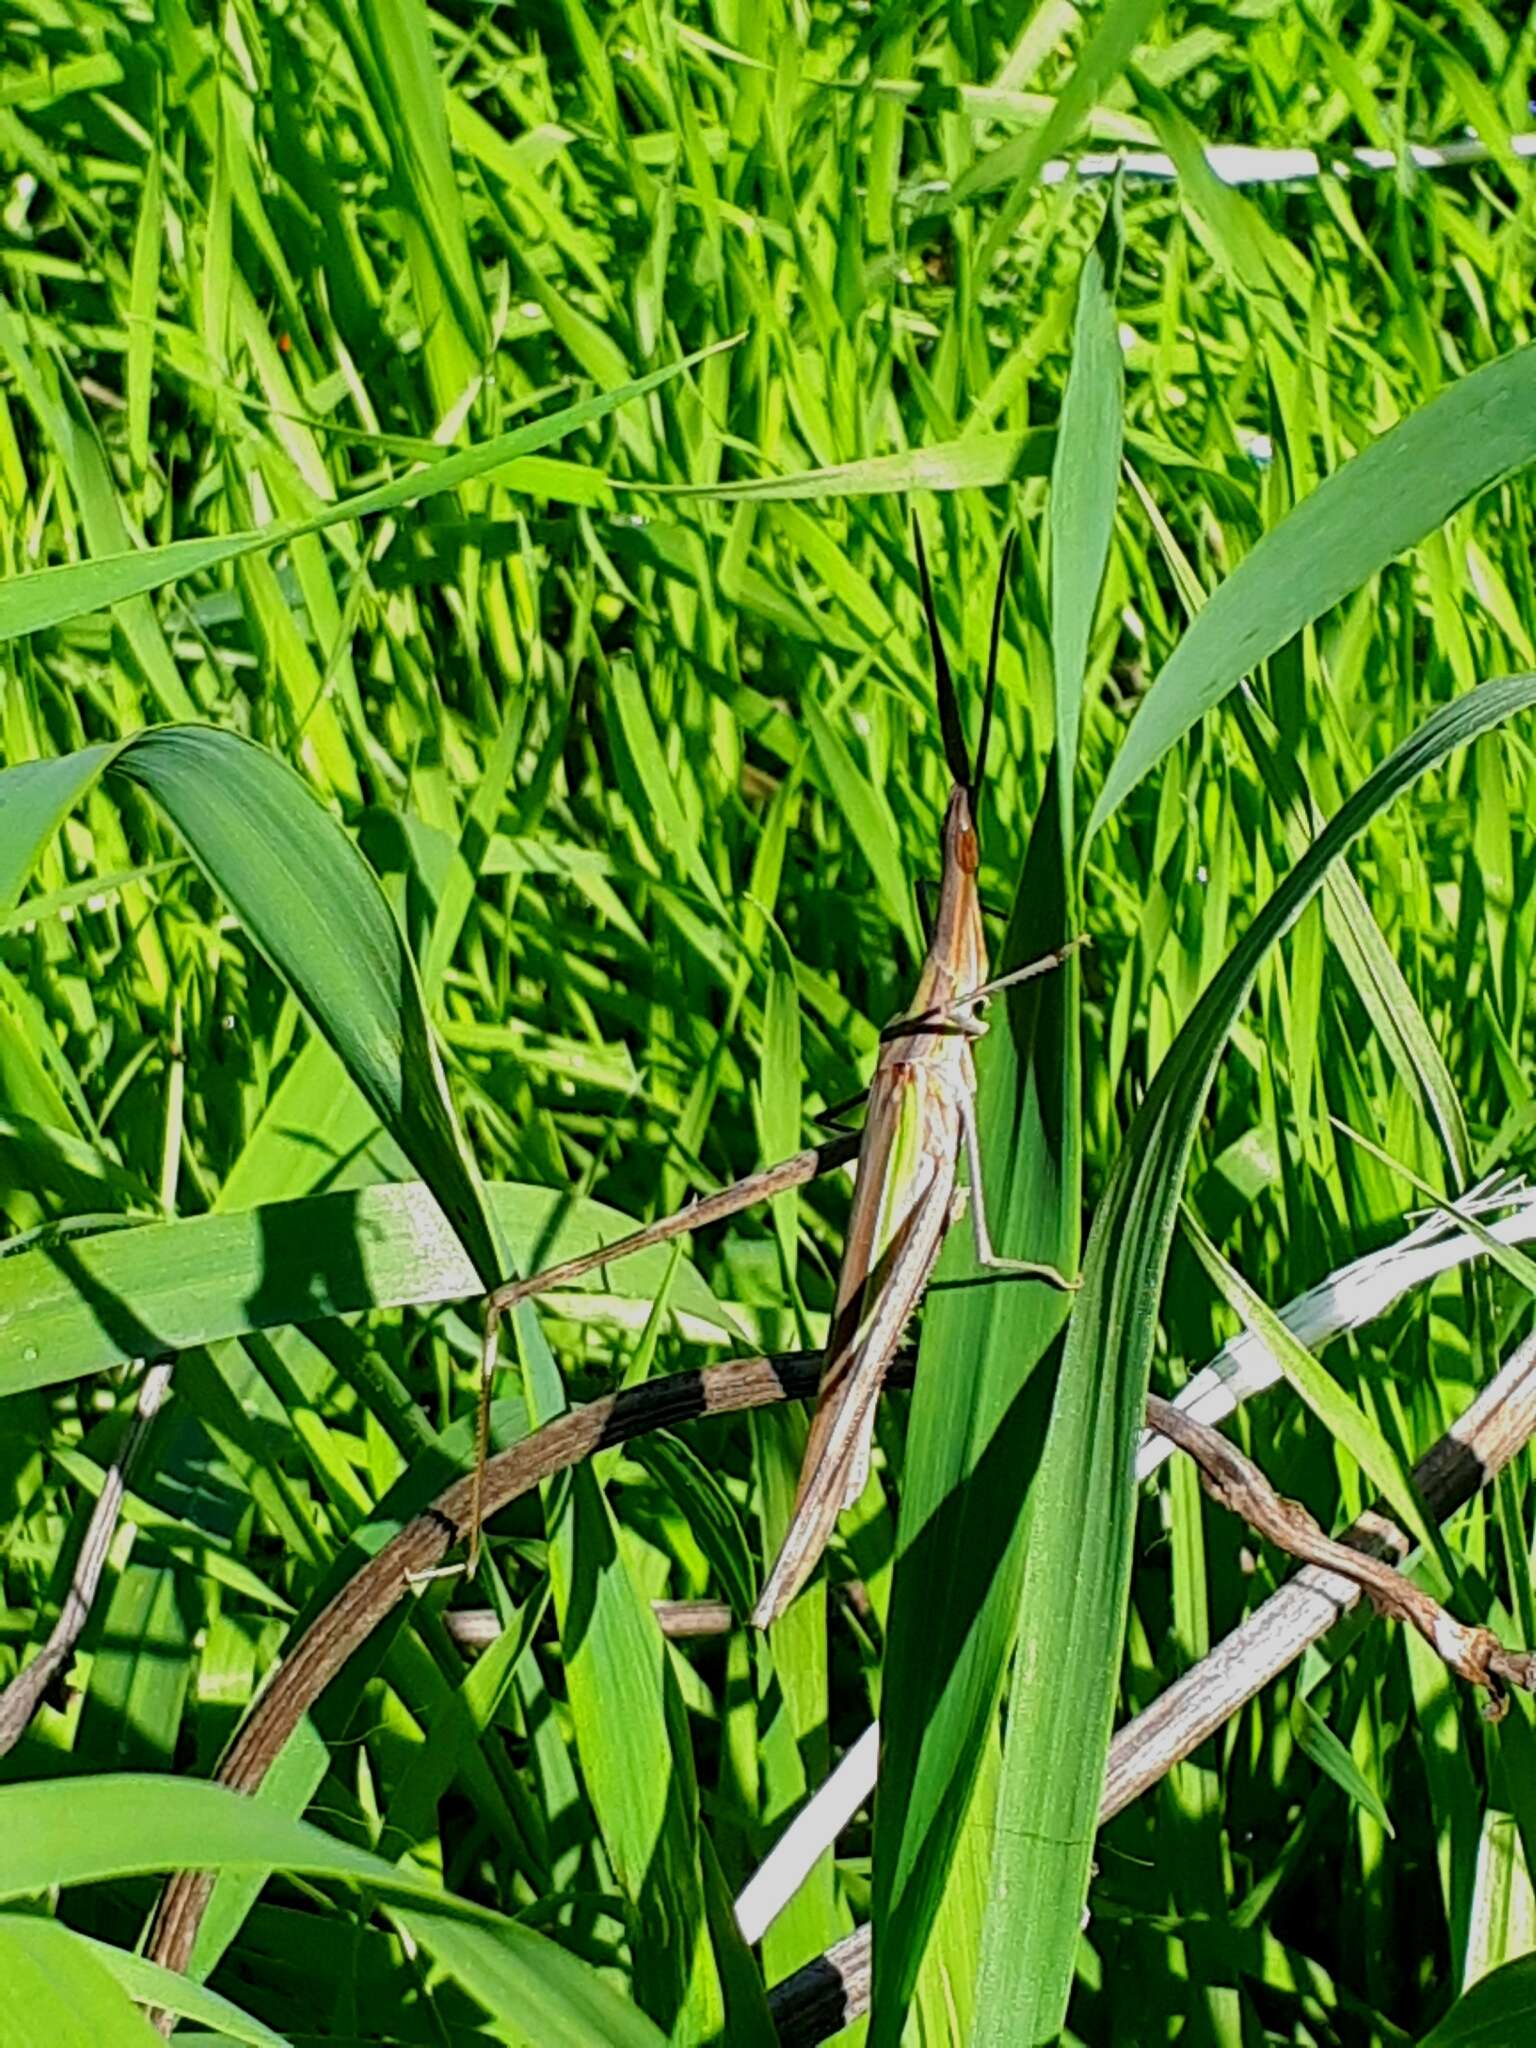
310	903
1379	503
81	1830
56	1991
975	462
1495	2010
149	1984
1076	1573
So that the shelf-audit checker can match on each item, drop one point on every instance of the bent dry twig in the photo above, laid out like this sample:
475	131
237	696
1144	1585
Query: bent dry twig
1475	1654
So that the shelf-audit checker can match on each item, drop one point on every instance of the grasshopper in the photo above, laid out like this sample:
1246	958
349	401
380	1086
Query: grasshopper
921	1113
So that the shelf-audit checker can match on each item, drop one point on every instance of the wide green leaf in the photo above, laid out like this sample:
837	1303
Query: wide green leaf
149	1984
59	1995
1493	2013
310	903
82	1830
76	1304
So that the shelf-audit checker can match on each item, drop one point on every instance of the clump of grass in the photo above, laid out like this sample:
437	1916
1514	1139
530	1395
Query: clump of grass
571	870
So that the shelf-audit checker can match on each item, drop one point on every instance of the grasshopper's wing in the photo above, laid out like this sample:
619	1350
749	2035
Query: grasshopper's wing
901	1210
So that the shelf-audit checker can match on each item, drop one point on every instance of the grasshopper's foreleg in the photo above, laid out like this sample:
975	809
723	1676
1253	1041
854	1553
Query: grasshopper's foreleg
1046	963
741	1194
985	1255
959	1015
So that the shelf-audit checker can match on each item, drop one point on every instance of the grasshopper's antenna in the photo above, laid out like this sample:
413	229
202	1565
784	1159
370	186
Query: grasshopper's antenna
990	693
949	704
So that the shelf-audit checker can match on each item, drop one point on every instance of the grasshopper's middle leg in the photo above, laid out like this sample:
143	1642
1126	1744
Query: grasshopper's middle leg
977	1204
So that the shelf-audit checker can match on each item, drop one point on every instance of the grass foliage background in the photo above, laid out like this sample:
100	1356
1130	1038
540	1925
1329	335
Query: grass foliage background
630	716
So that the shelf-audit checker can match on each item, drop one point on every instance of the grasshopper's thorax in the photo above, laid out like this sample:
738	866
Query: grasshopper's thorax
957	952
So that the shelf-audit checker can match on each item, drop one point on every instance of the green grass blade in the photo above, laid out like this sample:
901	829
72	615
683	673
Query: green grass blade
978	1413
974	463
313	906
632	1737
1495	2011
58	1994
65	1303
150	1985
69	1832
1316	1386
1018	163
1085	480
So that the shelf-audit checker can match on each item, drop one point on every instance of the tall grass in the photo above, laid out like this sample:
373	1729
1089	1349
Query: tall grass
503	426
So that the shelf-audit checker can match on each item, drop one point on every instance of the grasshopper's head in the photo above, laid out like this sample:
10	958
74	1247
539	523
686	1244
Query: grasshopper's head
957	954
962	850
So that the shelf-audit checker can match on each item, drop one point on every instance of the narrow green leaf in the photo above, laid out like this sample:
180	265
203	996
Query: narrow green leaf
870	820
1314	1385
1085	481
978	1414
150	1985
558	2002
976	462
636	1758
1318	1741
1019	162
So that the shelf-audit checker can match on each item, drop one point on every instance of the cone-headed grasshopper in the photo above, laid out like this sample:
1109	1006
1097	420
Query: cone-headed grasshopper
921	1115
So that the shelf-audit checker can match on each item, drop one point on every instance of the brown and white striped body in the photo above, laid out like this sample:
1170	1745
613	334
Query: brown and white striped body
905	1198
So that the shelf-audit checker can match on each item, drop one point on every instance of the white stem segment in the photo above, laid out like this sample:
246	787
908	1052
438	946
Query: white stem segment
1235	163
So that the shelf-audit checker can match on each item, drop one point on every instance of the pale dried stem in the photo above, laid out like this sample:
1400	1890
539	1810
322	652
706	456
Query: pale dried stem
476	1628
22	1697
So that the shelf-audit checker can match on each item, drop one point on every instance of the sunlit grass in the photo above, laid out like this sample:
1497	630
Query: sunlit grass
647	775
